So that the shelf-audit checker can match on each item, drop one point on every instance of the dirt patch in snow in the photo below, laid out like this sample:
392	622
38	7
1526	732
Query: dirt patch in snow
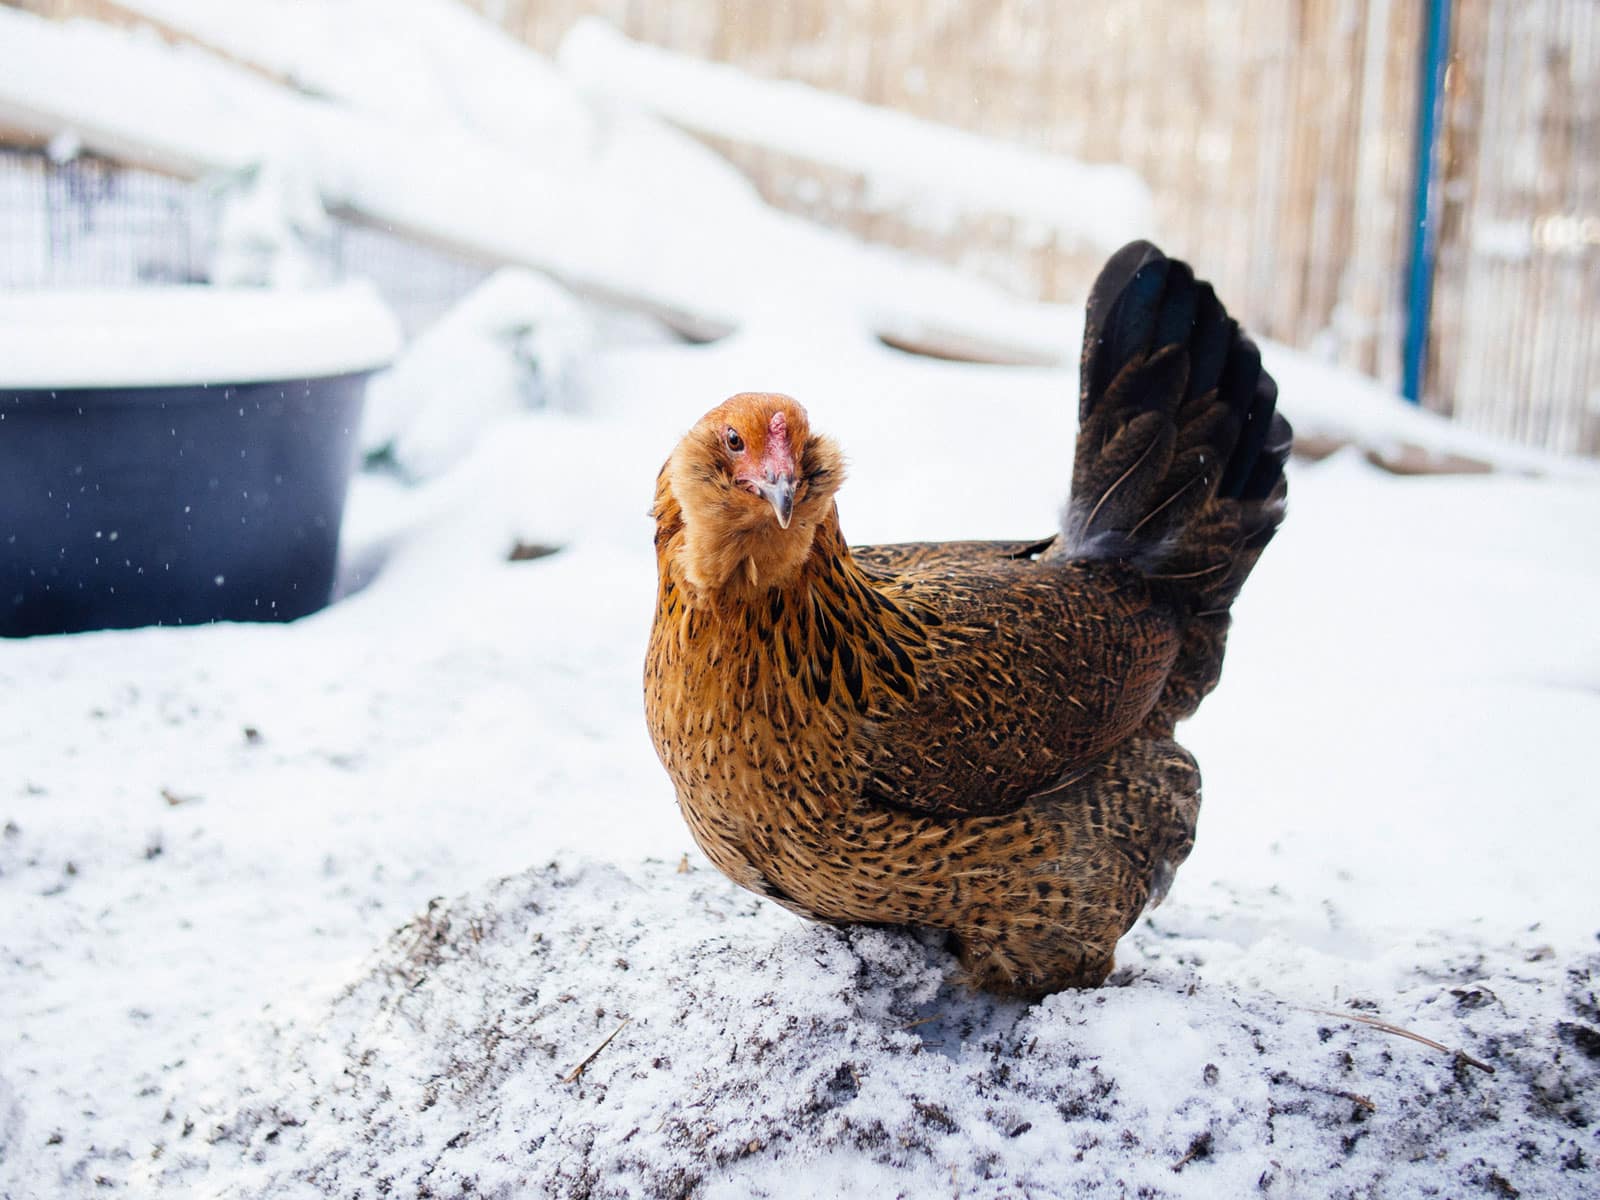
582	1031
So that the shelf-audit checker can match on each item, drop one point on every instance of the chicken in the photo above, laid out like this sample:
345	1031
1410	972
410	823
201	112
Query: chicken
975	737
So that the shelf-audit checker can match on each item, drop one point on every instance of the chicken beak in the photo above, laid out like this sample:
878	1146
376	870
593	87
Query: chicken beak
778	491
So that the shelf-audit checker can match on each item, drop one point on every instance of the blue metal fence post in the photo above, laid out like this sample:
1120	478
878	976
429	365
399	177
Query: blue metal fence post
1424	213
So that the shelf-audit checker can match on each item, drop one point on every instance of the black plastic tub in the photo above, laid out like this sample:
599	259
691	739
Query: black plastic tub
207	483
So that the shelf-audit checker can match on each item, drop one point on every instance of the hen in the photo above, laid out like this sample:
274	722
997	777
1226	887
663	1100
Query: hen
970	736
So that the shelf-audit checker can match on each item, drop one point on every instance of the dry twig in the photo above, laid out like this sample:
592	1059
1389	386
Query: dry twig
1385	1027
577	1071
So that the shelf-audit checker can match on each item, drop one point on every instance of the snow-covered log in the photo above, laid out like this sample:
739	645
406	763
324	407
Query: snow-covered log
645	218
904	159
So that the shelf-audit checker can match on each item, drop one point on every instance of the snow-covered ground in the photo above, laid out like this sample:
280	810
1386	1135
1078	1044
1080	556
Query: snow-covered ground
341	907
396	901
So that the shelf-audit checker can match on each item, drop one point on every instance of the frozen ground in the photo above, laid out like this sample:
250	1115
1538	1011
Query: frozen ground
341	907
396	901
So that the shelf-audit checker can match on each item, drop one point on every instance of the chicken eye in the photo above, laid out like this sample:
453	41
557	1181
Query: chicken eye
735	442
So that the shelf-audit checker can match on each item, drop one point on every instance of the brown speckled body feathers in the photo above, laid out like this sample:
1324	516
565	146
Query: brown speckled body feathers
975	737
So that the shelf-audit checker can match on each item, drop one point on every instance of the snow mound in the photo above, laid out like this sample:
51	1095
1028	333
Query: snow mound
519	337
583	1031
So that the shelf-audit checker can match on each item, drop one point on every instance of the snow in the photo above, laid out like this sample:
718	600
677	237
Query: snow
518	337
644	215
271	227
171	336
395	899
905	161
731	1052
212	836
431	63
1341	405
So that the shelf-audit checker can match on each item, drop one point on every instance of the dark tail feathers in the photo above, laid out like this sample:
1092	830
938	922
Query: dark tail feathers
1179	464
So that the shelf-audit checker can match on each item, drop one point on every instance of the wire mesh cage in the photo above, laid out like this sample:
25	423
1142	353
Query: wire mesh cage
82	221
86	222
419	282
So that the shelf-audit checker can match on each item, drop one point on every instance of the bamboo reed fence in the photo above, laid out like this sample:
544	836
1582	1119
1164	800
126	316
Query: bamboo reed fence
1518	289
1278	137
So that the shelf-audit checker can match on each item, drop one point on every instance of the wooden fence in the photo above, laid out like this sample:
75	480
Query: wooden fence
1278	138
